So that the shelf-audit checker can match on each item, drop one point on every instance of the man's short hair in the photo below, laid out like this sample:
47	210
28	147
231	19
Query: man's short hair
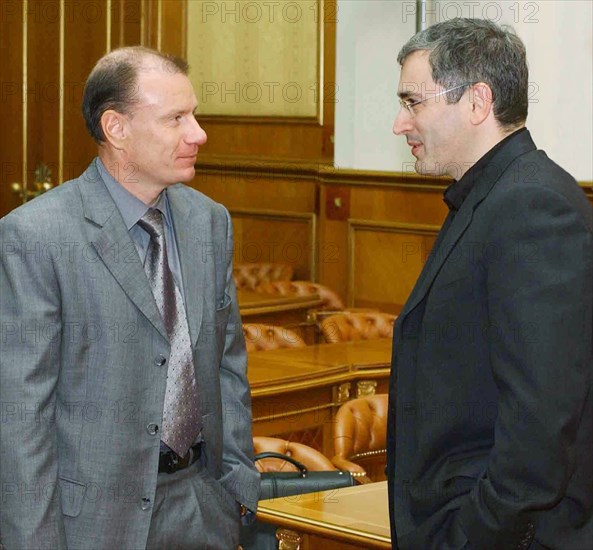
112	83
477	50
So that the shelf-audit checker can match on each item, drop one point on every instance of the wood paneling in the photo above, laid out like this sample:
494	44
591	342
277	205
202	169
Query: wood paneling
85	41
273	206
126	17
11	90
281	137
43	85
371	255
385	261
274	236
48	49
173	27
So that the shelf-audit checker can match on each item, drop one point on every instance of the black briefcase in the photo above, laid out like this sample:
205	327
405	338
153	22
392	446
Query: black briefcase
262	536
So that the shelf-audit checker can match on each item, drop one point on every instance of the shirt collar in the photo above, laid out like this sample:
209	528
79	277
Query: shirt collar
458	191
130	206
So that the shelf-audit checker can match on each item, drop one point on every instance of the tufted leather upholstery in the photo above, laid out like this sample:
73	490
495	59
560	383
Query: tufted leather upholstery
310	457
265	337
249	275
343	327
329	297
360	434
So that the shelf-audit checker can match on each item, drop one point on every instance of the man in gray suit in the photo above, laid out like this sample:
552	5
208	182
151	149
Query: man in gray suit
490	430
126	415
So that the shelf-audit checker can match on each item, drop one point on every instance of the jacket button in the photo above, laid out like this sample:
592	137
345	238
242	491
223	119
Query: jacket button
145	504
160	360
152	429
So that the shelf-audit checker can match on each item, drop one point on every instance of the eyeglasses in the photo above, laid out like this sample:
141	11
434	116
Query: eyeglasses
409	105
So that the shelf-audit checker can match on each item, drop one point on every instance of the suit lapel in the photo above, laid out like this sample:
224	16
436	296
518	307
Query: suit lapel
441	249
187	231
448	237
114	246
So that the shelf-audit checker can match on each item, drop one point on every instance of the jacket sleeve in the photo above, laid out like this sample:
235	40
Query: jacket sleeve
240	478
30	514
539	286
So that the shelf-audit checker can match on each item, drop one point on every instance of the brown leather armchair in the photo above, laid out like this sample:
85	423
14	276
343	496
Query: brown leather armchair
328	296
249	275
309	457
360	435
260	337
370	325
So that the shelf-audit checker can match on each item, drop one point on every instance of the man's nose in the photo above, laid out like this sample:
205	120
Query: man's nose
197	134
402	123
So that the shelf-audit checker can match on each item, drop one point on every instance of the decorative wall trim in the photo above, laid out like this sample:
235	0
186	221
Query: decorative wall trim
61	98
238	119
316	169
25	83
326	174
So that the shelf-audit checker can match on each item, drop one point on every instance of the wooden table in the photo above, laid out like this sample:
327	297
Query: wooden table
275	309
296	392
352	518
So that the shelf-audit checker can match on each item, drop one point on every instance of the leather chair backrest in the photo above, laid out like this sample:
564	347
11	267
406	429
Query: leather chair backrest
360	434
329	298
309	457
249	275
344	327
259	337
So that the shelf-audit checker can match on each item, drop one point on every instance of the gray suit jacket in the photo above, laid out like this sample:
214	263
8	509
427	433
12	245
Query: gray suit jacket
490	432
80	381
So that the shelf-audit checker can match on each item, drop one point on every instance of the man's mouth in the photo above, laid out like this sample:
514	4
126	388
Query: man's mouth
415	145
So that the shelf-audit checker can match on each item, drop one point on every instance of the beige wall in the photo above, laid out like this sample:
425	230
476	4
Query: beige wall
558	37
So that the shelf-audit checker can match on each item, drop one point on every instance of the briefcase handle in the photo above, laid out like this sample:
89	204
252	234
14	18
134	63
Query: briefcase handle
270	454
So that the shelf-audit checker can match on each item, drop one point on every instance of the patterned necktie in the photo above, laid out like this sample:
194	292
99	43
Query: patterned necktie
181	411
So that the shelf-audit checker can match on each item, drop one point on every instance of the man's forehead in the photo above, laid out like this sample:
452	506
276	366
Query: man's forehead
155	86
416	70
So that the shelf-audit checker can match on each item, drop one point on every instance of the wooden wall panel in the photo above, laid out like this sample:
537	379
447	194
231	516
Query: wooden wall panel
126	23
172	27
281	137
85	41
268	236
414	204
266	138
371	254
273	209
385	262
11	101
43	86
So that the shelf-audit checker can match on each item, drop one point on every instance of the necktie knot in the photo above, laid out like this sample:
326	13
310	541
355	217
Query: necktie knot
152	223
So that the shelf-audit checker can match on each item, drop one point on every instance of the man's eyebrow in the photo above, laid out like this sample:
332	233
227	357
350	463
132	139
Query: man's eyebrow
403	94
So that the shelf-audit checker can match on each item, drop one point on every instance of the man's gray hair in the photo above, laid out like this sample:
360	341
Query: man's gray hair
477	50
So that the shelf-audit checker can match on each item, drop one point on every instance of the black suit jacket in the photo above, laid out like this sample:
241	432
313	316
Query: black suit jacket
490	436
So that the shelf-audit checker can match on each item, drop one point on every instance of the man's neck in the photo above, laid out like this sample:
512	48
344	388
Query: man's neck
483	145
116	167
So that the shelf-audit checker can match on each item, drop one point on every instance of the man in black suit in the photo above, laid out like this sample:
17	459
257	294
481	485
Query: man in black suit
490	436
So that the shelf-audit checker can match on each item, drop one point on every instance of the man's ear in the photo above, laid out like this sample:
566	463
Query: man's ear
481	100
114	127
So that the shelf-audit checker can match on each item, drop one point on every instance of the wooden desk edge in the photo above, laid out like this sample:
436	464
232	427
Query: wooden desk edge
313	527
312	382
260	310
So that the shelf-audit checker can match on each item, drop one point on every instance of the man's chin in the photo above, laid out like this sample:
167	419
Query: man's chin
187	174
